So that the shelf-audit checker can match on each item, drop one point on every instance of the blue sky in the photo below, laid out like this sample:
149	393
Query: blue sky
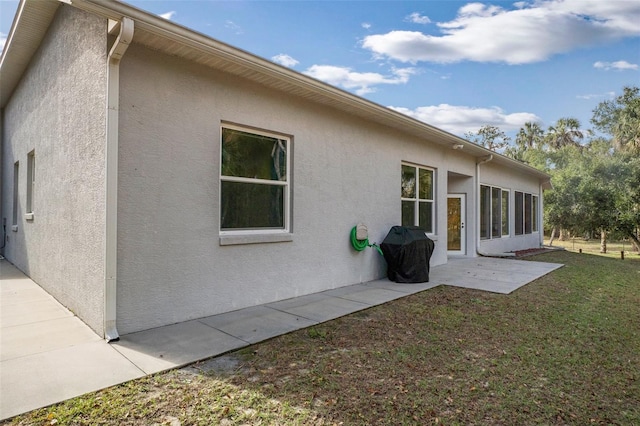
457	65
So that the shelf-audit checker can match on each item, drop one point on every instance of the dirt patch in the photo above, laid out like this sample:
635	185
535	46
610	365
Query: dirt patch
535	251
225	365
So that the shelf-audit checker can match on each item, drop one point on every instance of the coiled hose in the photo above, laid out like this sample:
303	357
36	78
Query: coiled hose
360	245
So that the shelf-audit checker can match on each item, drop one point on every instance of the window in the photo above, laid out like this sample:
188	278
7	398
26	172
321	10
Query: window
505	213
31	180
519	214
16	182
417	197
534	213
526	213
494	212
254	181
485	212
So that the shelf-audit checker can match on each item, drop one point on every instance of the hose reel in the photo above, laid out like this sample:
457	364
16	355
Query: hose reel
360	238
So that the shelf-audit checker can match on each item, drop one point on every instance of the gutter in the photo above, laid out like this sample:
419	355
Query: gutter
111	171
159	27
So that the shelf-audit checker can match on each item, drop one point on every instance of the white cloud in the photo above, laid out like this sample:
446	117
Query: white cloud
366	25
3	41
597	96
168	15
618	65
529	33
461	119
361	83
416	18
233	27
284	59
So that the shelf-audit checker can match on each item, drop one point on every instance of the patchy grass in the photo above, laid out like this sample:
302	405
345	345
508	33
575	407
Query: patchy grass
614	248
564	349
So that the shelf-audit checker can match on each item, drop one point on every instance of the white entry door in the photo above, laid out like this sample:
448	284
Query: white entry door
456	233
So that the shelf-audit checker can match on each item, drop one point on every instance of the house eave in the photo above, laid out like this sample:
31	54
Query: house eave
160	34
173	39
27	32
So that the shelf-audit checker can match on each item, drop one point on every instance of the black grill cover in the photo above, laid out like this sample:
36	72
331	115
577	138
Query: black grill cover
407	251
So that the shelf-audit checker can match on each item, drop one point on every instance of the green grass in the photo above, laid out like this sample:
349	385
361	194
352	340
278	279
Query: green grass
564	349
614	248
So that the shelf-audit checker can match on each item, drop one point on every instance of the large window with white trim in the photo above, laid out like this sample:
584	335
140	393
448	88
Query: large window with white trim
526	213
494	212
418	197
254	181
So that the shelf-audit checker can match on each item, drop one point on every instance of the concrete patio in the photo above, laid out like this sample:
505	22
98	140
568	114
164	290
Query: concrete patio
48	355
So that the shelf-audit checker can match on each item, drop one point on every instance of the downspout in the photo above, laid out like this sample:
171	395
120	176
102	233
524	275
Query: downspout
541	211
481	160
111	171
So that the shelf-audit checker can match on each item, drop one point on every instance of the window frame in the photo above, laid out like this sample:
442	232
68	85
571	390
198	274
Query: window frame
528	210
485	212
417	200
286	184
506	223
31	174
489	220
16	196
534	214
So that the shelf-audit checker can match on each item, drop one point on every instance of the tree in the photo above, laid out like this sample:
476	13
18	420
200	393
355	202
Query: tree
566	132
530	147
620	118
530	135
491	137
595	189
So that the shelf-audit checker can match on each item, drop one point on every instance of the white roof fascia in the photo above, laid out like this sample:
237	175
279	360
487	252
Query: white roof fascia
116	10
175	32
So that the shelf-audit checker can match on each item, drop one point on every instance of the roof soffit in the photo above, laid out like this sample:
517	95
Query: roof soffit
27	32
159	34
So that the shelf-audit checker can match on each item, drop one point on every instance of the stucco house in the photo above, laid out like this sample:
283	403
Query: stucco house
153	175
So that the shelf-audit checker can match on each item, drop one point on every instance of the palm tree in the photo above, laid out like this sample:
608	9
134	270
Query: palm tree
626	131
620	118
530	136
566	132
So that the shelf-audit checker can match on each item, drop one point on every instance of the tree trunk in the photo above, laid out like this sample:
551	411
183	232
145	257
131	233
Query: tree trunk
553	235
603	241
634	241
563	234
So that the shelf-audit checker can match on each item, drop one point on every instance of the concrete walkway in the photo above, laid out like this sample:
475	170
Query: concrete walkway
48	355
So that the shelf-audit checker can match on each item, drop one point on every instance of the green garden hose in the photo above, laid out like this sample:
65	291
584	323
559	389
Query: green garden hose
360	245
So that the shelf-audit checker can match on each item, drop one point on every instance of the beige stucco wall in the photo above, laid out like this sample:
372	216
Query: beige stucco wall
171	266
498	175
58	109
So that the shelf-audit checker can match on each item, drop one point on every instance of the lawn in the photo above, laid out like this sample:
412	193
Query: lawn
614	248
564	349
